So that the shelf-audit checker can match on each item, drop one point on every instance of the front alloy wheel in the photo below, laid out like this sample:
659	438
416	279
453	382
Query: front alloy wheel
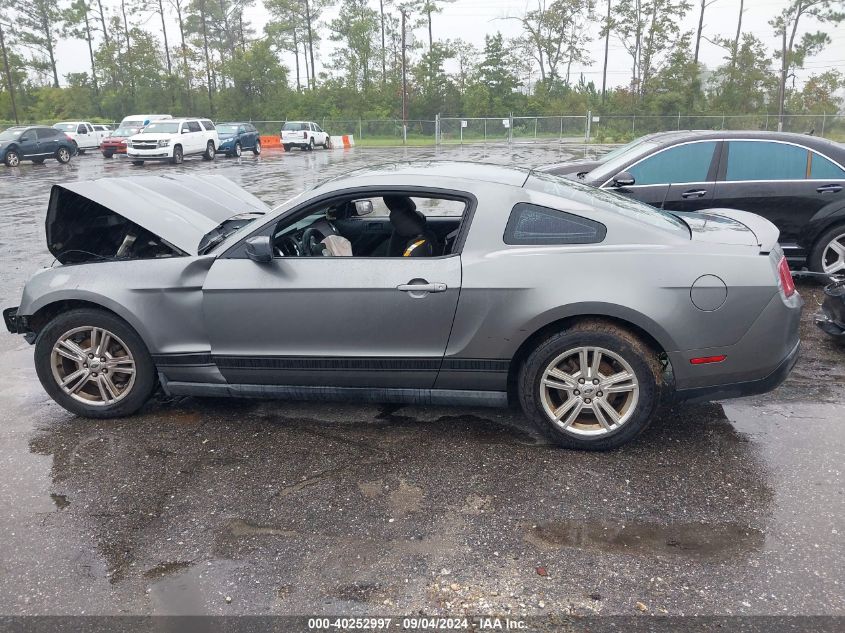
13	159
833	255
93	366
238	150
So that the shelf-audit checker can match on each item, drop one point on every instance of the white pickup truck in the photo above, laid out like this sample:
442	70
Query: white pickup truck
85	135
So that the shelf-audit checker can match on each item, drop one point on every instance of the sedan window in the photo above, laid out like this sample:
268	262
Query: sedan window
533	224
823	169
764	160
680	164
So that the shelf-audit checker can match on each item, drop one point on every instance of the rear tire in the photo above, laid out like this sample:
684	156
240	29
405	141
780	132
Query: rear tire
123	352
589	416
137	162
287	147
63	155
828	254
311	145
257	149
327	144
209	152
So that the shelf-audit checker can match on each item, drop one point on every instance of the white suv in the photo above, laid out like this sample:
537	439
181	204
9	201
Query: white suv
172	140
304	135
83	134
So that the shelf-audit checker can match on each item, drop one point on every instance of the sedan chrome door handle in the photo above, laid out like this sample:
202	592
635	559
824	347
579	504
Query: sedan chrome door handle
829	189
694	193
425	287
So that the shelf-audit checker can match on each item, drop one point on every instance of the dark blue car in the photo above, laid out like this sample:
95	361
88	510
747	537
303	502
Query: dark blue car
36	143
235	138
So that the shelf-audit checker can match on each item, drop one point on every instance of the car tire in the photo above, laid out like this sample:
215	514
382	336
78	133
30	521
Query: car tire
80	151
622	355
137	162
257	149
327	144
84	395
63	155
38	161
311	145
209	152
13	158
287	147
108	154
238	150
828	253
178	156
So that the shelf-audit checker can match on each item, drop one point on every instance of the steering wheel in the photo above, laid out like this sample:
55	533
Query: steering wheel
310	242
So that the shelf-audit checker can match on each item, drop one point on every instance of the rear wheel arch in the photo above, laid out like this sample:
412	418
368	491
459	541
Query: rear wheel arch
536	338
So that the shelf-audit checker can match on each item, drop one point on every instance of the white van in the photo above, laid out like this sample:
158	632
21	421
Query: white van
142	120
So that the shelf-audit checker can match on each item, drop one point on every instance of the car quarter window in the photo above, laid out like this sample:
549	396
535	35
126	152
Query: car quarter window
533	224
765	160
823	169
689	162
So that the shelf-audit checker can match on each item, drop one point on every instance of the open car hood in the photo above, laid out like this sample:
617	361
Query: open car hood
177	210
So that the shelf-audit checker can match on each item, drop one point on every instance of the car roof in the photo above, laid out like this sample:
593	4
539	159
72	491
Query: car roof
670	138
391	173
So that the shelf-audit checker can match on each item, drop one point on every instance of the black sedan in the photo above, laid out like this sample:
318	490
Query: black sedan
794	180
36	143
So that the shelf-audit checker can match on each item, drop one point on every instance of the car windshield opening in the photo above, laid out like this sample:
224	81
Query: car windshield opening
227	129
168	127
10	135
126	131
66	127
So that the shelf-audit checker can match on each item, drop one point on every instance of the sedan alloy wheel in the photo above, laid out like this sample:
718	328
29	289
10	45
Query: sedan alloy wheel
833	255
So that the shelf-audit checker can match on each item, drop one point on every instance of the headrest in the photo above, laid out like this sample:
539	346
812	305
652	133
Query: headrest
406	220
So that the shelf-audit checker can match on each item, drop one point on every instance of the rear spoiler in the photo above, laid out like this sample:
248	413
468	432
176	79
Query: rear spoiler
766	233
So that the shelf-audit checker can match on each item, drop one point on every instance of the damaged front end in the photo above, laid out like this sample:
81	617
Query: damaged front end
831	317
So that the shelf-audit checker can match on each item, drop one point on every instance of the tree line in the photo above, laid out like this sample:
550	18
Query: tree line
204	57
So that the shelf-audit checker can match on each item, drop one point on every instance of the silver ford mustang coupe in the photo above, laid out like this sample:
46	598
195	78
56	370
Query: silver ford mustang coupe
422	282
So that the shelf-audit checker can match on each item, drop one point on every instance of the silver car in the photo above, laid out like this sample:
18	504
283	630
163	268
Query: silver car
423	282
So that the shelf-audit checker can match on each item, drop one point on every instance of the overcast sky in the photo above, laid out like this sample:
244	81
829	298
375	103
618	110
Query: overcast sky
473	19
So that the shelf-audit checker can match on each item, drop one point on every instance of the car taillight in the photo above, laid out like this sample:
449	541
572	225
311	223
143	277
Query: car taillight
69	137
786	282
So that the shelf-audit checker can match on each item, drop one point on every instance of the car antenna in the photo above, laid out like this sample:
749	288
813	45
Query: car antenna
665	195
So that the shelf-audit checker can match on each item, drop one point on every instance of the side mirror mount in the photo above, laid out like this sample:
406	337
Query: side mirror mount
363	207
259	250
623	179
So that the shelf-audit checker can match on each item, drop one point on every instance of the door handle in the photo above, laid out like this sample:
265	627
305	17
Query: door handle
694	193
425	287
829	189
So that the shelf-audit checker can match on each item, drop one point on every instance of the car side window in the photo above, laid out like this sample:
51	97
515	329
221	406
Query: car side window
683	163
80	129
823	169
764	160
193	126
242	130
533	224
208	125
89	128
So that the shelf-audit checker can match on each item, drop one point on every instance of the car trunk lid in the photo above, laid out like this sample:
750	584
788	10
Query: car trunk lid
729	226
177	210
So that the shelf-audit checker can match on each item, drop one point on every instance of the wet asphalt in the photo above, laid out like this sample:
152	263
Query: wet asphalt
267	507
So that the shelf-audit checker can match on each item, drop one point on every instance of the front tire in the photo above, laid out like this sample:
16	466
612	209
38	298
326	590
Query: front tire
108	154
178	156
828	254
209	153
594	386
238	150
13	158
63	155
93	364
137	163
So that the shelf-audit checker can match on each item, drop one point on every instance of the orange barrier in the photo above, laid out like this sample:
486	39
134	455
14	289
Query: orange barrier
343	142
271	142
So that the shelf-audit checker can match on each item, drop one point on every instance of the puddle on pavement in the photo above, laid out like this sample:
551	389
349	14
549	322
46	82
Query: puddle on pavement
689	540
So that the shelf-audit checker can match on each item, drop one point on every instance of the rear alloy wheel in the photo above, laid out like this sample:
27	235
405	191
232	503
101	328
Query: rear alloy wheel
13	159
592	387
209	151
238	150
93	364
63	155
177	155
828	256
257	149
